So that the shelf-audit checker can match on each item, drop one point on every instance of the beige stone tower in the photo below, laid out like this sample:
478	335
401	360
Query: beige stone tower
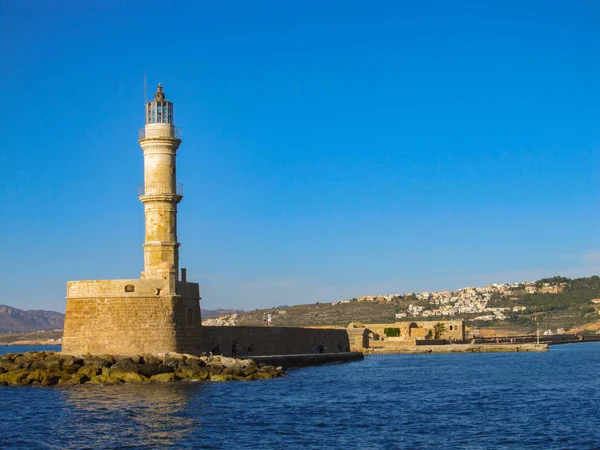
160	192
157	313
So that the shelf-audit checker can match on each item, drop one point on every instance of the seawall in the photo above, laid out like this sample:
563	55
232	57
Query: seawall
312	359
462	348
248	342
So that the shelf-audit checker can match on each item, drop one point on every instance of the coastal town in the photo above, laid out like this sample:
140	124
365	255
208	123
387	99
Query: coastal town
495	302
468	300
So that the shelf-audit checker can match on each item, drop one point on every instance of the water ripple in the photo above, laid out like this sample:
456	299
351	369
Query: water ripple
469	401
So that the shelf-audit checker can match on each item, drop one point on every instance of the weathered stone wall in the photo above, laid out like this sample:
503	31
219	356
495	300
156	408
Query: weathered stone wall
126	317
359	338
113	288
258	341
455	329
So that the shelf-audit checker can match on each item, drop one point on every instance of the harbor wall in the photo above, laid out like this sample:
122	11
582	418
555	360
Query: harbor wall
242	342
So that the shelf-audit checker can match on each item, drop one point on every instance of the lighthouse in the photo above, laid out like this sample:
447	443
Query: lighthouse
160	192
159	312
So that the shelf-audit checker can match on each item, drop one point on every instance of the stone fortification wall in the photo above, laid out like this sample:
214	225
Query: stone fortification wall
114	288
259	341
126	317
455	329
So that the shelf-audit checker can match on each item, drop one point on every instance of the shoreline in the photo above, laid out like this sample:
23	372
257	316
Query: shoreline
28	343
458	348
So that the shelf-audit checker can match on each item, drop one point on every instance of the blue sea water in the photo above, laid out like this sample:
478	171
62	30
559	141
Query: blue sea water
465	401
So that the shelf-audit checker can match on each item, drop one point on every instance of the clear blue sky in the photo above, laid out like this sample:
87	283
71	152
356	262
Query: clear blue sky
330	149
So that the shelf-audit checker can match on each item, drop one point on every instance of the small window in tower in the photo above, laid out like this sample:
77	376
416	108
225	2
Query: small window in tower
129	288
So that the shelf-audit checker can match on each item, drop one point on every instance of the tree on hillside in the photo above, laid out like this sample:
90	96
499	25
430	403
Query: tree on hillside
438	330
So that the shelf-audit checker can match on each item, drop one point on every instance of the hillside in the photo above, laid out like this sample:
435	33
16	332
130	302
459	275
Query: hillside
550	303
206	313
319	314
14	320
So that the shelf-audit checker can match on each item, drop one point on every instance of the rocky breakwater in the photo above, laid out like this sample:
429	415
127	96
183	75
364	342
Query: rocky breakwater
51	369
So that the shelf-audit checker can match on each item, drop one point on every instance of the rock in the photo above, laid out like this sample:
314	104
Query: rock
175	363
109	359
127	365
229	362
129	377
260	376
51	380
220	377
215	369
89	371
71	360
193	374
151	359
3	383
15	377
52	364
49	369
249	370
9	365
74	380
150	369
72	368
163	377
98	361
23	362
104	379
185	373
233	371
195	363
37	365
37	375
200	373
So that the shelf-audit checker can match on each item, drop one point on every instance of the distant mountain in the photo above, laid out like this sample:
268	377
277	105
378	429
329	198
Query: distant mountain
17	320
219	312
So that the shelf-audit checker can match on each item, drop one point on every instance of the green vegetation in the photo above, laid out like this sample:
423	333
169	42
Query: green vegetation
568	308
438	330
576	295
391	332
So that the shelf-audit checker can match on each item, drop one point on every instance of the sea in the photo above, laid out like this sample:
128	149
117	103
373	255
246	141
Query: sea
442	401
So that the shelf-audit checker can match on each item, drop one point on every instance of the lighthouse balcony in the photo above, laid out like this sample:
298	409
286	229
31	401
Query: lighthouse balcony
162	132
160	189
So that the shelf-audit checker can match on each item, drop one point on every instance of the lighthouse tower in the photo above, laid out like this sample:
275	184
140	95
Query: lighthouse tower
157	313
160	192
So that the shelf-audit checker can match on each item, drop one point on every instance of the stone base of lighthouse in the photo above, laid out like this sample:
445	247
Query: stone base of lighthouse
127	317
